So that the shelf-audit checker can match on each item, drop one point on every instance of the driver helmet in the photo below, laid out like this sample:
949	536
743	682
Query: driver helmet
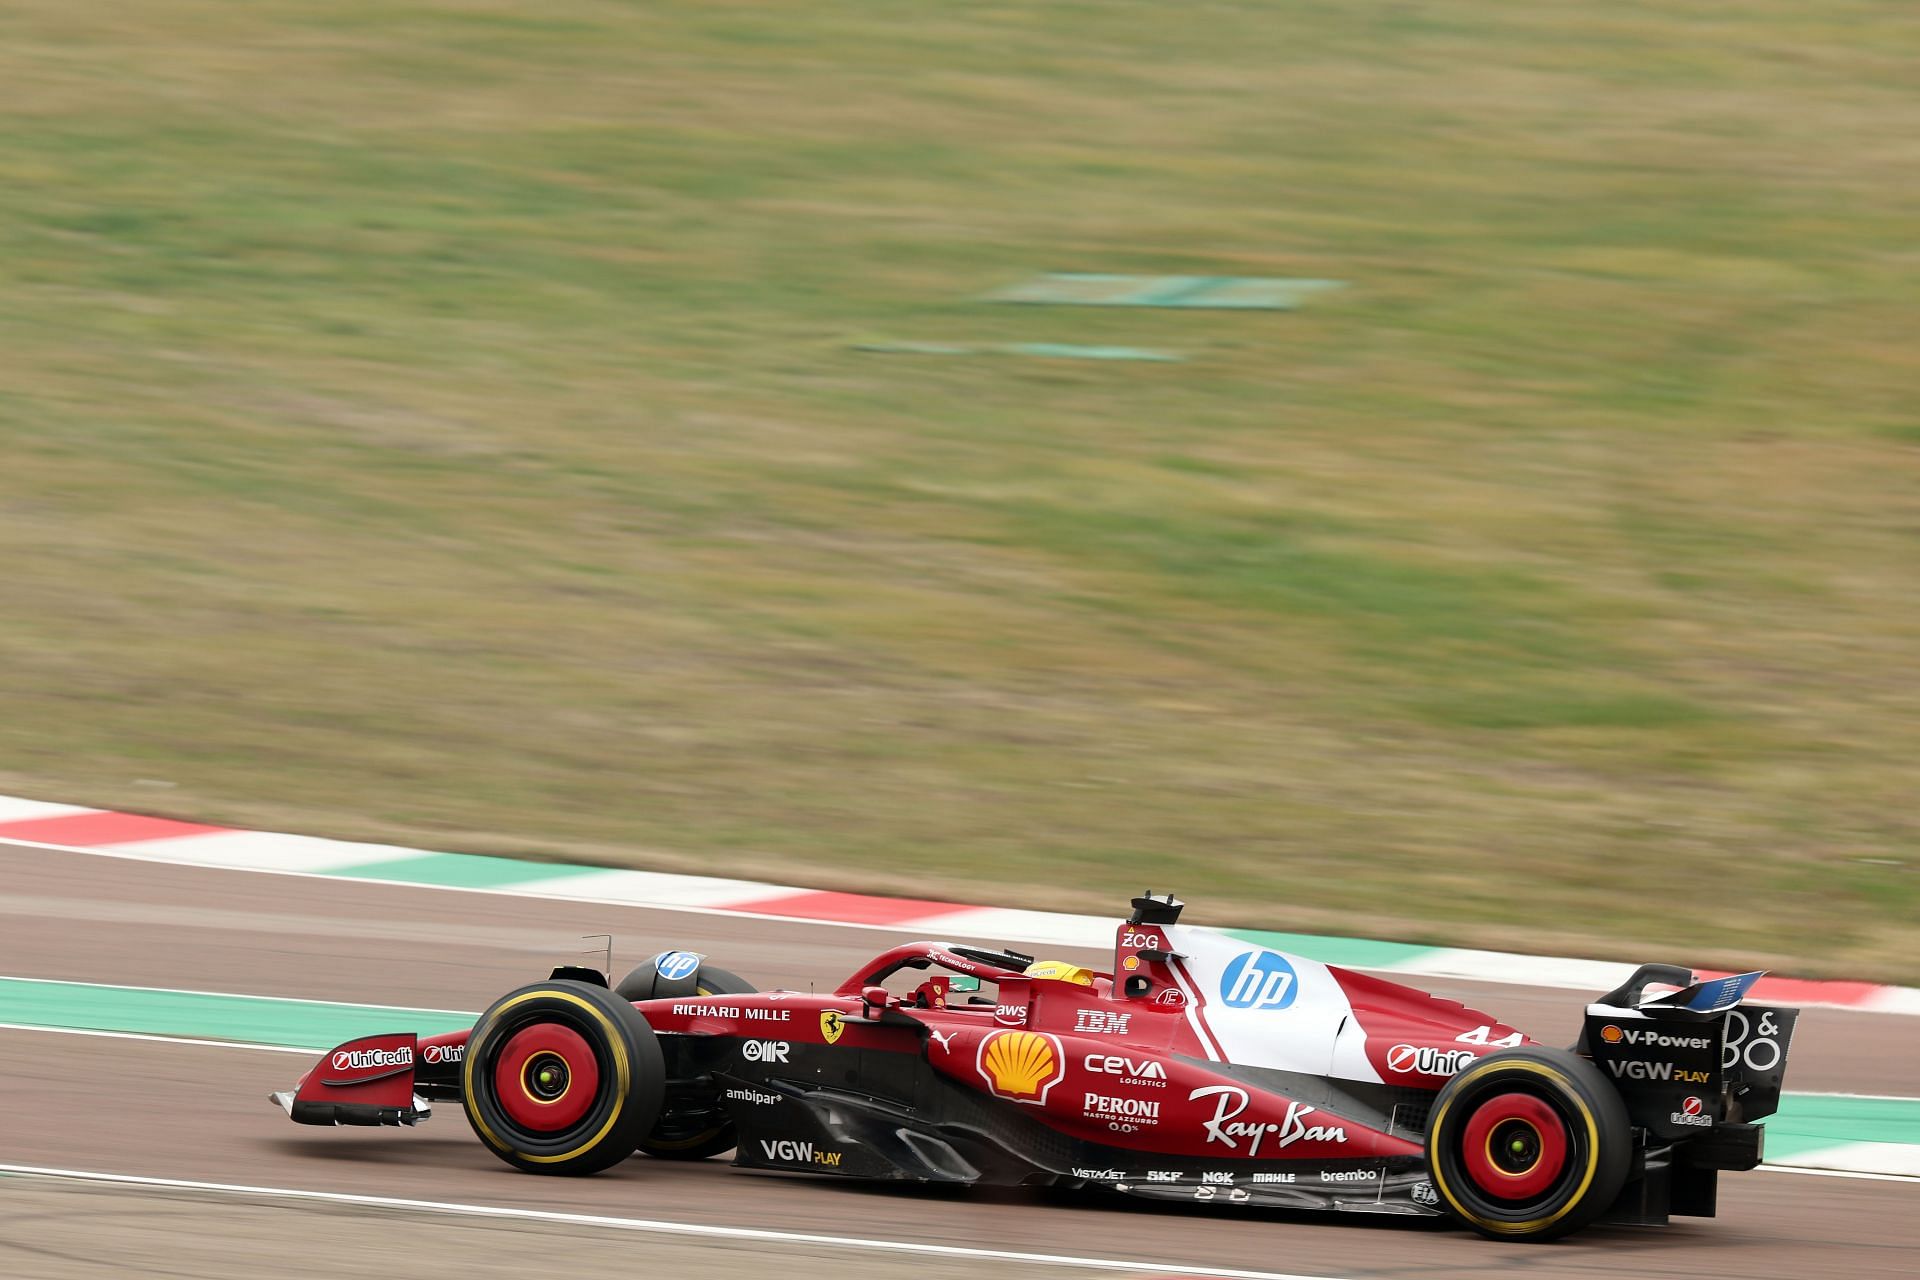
1060	971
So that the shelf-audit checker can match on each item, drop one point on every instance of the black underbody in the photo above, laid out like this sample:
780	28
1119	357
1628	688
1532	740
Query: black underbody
890	1116
885	1115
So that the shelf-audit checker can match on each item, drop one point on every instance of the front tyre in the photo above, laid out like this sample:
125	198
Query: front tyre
1528	1144
562	1077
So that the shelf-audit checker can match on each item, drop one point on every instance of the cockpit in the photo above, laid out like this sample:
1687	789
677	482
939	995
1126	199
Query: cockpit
927	975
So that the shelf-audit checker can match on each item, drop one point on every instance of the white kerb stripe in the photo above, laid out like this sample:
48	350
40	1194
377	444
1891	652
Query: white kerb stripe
1532	971
266	851
649	889
14	809
307	855
1894	1000
1044	928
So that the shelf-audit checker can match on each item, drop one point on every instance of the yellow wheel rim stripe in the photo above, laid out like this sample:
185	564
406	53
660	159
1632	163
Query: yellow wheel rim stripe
623	1076
1586	1179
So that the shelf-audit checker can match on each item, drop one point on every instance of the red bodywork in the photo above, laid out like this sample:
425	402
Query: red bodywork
1137	1064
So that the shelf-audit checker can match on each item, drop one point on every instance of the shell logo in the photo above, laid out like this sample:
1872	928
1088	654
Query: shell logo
1611	1034
1021	1065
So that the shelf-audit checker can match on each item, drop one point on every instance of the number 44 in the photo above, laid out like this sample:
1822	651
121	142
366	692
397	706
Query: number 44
1480	1035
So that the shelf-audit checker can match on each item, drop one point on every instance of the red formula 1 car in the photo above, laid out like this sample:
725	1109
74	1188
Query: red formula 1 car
1202	1068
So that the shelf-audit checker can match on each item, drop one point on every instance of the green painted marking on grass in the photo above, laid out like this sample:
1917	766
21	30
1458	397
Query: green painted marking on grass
463	870
1360	953
209	1016
1258	291
1176	291
1070	351
890	348
1233	293
1052	350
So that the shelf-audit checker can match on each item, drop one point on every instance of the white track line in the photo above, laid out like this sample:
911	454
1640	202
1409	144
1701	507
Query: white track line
238	995
309	1052
659	1226
1836	1173
138	1035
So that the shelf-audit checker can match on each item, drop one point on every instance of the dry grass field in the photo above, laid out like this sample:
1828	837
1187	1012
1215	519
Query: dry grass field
439	421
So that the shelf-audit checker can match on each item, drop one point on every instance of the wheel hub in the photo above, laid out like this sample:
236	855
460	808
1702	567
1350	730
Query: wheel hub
546	1077
1515	1147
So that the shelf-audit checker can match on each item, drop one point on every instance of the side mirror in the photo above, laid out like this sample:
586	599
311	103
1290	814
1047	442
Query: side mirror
875	999
963	982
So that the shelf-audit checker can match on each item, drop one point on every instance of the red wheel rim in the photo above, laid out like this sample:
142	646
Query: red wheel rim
1514	1146
546	1078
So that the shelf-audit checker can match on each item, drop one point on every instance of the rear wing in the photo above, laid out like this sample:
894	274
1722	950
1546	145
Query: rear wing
1688	1059
1705	997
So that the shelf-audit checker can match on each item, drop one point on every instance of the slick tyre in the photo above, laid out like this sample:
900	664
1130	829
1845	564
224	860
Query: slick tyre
692	1126
1528	1144
562	1077
644	982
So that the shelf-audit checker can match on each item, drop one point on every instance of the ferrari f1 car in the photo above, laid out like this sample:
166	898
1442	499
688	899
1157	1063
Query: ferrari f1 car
1201	1068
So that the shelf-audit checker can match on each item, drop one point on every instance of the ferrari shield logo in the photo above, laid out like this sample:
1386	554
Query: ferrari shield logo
831	1025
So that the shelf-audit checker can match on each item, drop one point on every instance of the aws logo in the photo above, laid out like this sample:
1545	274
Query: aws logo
1021	1066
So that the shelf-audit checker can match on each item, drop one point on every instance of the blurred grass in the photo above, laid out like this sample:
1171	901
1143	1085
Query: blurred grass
435	422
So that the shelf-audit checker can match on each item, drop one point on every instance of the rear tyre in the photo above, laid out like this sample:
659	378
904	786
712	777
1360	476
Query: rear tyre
693	1124
1528	1144
563	1078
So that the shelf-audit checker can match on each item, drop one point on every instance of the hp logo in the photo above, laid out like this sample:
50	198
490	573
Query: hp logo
1258	980
674	965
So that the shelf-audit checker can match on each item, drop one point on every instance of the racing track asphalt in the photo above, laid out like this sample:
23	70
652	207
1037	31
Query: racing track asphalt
200	1113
